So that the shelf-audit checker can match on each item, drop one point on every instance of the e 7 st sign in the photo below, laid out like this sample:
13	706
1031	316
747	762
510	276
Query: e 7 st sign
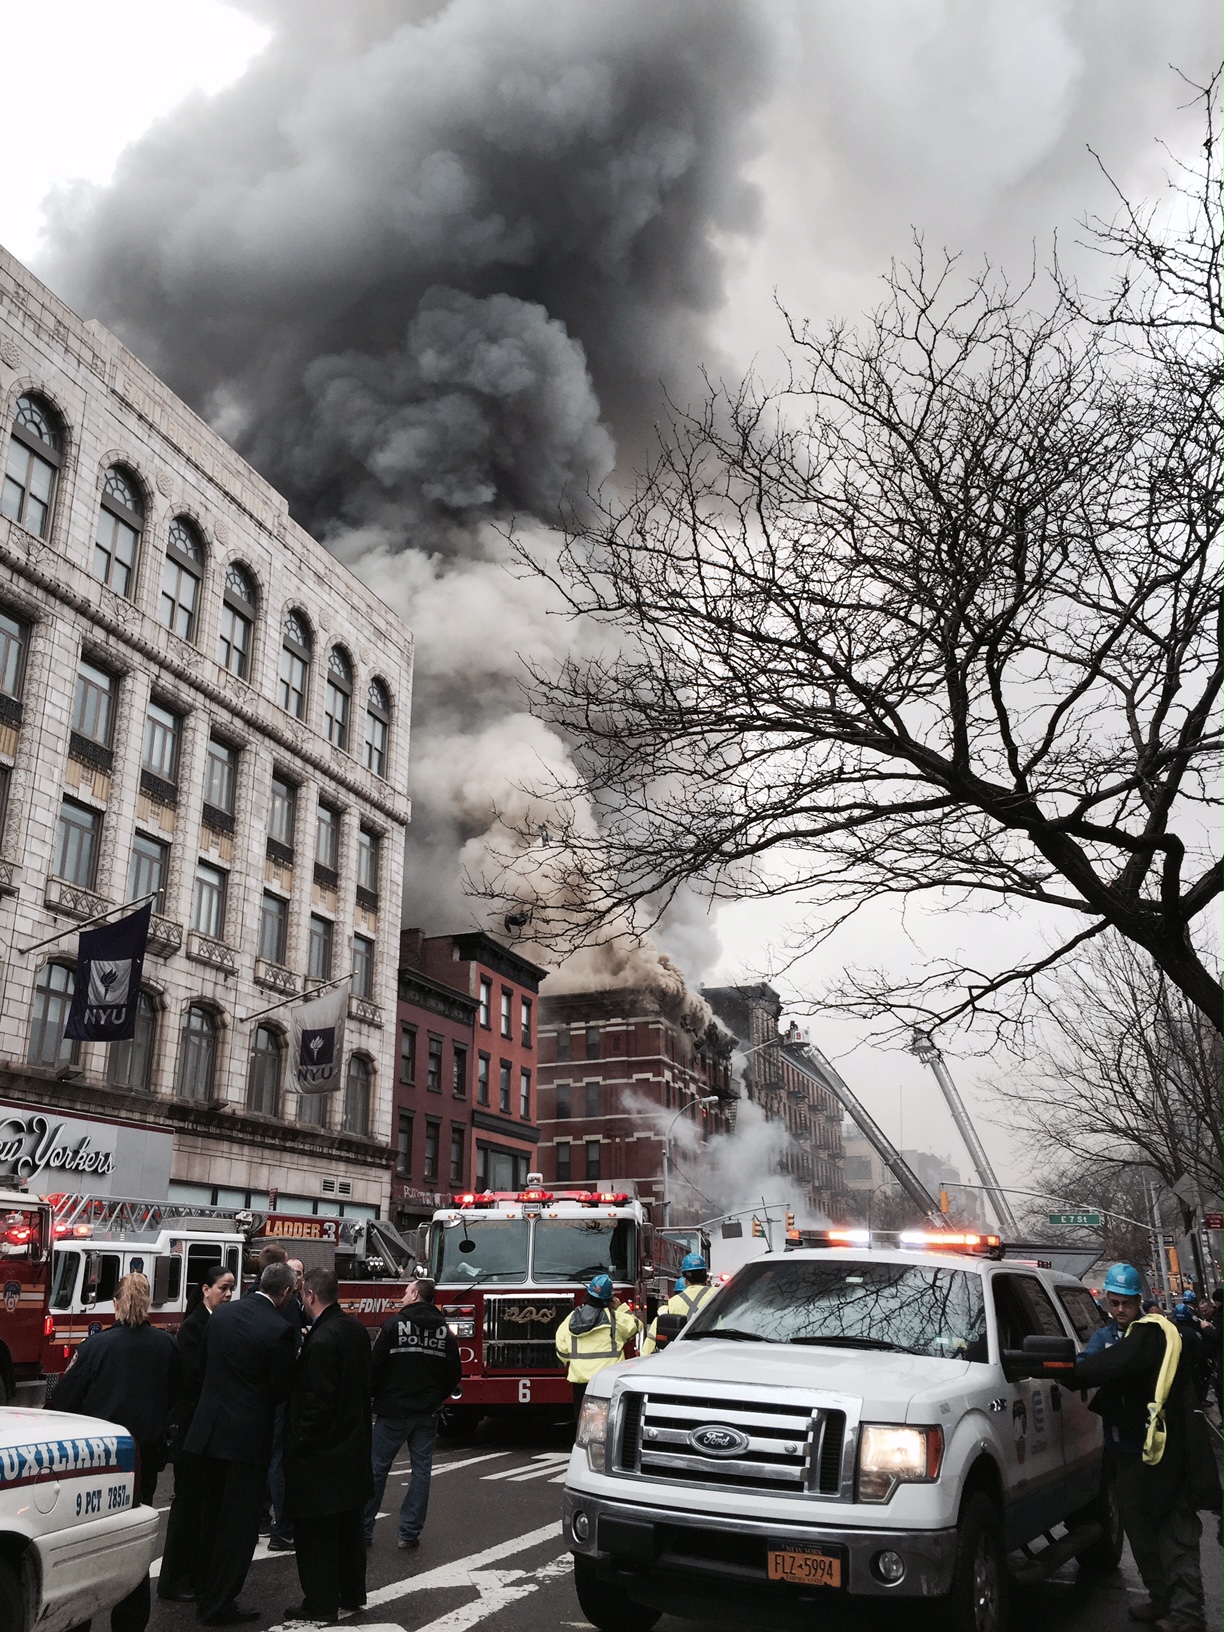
1089	1221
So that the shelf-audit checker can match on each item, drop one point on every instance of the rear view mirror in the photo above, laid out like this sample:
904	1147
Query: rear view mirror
1052	1357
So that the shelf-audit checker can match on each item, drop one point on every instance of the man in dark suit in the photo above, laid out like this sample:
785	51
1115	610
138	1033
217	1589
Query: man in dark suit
248	1367
327	1454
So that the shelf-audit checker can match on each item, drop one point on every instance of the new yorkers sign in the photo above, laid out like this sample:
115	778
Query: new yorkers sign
50	1152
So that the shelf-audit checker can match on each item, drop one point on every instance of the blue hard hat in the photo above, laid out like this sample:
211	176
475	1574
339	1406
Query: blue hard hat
1191	1298
1123	1281
600	1289
679	1286
693	1264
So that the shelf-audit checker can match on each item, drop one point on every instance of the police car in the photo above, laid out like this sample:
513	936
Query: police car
849	1420
72	1540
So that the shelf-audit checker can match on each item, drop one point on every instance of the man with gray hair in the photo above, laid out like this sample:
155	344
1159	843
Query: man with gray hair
248	1366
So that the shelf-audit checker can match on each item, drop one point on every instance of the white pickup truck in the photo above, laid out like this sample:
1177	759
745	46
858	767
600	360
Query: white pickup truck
72	1540
844	1421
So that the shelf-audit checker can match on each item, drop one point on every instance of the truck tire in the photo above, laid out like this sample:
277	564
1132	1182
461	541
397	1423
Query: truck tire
977	1601
1104	1556
12	1599
608	1606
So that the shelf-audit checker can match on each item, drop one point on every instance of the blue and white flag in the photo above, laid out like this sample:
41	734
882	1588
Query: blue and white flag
106	993
316	1041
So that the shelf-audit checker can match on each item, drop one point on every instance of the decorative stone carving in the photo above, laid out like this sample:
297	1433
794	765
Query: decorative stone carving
276	977
74	901
164	485
360	1008
203	949
9	352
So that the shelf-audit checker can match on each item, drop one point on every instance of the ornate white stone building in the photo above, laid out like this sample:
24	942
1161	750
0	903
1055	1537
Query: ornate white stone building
196	700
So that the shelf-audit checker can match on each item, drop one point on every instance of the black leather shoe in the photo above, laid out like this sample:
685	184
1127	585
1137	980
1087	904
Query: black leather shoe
280	1544
231	1615
299	1612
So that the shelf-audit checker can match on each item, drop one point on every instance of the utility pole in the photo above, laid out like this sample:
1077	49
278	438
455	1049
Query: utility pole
924	1047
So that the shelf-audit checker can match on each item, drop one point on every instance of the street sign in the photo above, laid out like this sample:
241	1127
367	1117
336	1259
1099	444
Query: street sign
1213	1221
1090	1221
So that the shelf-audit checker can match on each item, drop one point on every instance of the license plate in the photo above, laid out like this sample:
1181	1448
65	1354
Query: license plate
805	1566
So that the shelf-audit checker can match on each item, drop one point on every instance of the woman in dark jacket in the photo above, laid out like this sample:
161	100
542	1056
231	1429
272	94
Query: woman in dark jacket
180	1571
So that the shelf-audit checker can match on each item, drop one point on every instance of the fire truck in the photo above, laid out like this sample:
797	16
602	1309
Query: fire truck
511	1265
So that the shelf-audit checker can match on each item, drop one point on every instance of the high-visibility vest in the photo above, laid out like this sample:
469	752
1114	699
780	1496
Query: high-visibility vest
602	1344
1156	1435
686	1302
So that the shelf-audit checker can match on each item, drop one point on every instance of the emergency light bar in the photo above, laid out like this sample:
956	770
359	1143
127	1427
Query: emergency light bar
584	1198
942	1238
990	1246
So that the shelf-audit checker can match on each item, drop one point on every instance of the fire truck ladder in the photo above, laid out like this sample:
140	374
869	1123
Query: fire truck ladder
126	1213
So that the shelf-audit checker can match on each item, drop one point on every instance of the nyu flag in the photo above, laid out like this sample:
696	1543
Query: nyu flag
106	994
316	1041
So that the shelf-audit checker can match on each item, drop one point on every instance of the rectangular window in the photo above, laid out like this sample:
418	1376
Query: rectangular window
208	901
273	925
592	1042
592	1159
507	997
407	1069
525	1021
592	1099
459	1072
433	1134
13	637
93	706
563	1045
503	1088
456	1156
525	1095
282	811
563	1101
433	1077
363	966
76	844
319	954
403	1146
159	754
486	1002
327	838
220	774
147	871
563	1161
367	860
482	1079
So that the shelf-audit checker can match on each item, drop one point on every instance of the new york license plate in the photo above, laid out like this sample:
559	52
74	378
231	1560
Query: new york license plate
805	1566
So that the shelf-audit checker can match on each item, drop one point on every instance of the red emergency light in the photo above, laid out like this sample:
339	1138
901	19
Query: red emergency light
535	1195
471	1199
48	1325
617	1200
18	1235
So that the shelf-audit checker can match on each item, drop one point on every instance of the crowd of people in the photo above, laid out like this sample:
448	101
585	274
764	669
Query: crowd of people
277	1416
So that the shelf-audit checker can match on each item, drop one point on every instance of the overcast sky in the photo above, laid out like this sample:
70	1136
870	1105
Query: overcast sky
855	122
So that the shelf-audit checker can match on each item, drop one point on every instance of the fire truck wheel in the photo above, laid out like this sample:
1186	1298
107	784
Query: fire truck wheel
12	1599
608	1606
458	1423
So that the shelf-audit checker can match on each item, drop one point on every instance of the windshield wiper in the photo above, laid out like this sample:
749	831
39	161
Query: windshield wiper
732	1333
854	1343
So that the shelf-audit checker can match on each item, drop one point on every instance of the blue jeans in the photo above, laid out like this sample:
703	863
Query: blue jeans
418	1431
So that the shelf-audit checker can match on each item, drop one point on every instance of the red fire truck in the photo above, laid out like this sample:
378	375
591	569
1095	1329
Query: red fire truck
510	1265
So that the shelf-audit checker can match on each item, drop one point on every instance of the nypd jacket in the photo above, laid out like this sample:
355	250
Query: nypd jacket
415	1365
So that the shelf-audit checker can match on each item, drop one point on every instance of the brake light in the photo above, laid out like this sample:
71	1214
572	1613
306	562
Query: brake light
48	1325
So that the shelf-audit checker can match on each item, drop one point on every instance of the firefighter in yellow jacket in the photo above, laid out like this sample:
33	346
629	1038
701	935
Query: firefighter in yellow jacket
594	1335
686	1299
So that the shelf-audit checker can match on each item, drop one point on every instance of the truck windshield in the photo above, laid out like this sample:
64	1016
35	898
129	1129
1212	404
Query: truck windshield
574	1249
499	1255
852	1304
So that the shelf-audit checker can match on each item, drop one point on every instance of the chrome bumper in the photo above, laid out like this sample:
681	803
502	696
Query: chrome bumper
649	1543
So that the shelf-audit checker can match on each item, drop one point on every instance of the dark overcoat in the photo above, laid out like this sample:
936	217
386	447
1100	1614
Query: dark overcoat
327	1424
248	1366
125	1374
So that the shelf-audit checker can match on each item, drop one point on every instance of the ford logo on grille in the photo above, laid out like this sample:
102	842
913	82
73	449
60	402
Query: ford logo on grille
715	1440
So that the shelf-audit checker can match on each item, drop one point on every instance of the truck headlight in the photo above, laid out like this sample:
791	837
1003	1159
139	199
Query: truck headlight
889	1456
592	1433
462	1328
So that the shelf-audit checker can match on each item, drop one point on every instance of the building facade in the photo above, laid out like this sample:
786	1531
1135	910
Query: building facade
616	1067
198	704
878	1198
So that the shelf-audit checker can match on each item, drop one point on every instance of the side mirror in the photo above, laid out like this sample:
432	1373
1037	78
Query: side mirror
1040	1357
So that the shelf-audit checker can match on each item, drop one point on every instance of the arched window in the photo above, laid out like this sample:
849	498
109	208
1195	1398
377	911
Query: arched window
263	1083
294	665
52	1000
180	594
130	1064
120	521
357	1096
378	727
197	1054
338	699
237	621
36	449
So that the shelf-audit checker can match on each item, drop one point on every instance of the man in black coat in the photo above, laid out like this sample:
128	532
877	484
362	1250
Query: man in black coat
248	1367
327	1454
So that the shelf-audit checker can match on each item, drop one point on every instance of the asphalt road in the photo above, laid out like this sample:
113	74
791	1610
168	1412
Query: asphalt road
492	1558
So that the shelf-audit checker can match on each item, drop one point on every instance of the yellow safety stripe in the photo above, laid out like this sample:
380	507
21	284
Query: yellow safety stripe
595	1354
1157	1435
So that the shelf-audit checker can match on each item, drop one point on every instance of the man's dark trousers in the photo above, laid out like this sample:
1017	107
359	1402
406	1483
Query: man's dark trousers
331	1561
232	1501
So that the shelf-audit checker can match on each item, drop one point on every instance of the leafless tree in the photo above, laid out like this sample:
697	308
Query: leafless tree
937	617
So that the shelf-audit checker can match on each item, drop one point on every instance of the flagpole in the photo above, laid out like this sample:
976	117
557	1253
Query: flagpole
74	929
298	997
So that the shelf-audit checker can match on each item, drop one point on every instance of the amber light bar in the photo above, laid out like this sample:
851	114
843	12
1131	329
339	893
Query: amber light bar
945	1238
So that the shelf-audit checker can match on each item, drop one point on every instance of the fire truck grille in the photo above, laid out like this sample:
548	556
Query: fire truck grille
520	1332
733	1443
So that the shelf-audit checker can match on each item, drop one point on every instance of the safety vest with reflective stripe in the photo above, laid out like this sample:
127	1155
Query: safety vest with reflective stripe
685	1302
585	1353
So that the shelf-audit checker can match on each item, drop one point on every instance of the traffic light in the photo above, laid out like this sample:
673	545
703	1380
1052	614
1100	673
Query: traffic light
758	1229
790	1220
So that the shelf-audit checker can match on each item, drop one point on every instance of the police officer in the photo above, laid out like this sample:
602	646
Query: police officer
1165	1468
594	1336
692	1290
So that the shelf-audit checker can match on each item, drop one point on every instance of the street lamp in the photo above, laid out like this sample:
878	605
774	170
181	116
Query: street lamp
704	1099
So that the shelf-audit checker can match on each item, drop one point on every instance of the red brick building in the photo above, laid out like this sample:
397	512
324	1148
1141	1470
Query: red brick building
606	1054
